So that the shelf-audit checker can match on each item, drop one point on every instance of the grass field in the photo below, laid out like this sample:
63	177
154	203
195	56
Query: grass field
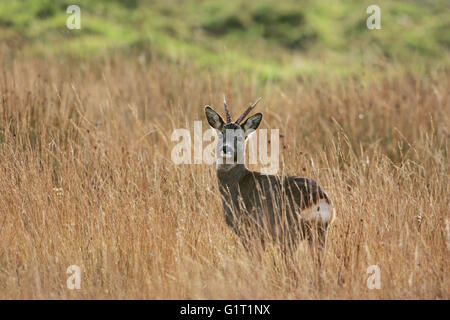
269	39
86	176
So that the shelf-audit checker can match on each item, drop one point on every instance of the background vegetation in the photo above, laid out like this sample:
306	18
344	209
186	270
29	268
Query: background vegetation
86	118
272	39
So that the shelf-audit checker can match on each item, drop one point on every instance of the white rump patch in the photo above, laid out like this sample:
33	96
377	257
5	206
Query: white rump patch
321	211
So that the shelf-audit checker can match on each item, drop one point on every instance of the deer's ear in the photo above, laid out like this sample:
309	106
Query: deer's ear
214	119
252	123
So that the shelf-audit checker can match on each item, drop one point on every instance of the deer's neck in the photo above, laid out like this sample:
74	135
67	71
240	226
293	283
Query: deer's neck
231	174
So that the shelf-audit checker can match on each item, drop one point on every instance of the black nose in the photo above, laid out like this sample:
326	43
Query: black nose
224	149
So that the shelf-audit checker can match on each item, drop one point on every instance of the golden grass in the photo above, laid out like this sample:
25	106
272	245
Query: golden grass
86	179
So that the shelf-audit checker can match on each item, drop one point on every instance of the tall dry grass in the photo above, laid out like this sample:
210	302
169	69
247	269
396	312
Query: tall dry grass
86	179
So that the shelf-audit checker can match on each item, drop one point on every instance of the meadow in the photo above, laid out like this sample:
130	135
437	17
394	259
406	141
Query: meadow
86	176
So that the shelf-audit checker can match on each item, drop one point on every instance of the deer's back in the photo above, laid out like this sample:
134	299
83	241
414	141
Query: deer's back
274	201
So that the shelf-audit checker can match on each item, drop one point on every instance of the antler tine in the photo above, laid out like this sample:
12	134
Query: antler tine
246	112
227	111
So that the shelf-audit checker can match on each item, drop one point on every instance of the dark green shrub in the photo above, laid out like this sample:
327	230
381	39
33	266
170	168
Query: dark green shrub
45	9
222	26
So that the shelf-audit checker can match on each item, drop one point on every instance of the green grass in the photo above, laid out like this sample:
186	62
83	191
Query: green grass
270	39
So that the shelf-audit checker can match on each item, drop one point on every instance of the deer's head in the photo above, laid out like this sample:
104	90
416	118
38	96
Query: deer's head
232	135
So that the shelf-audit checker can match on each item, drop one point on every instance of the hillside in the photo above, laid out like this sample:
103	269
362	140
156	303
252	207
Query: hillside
266	38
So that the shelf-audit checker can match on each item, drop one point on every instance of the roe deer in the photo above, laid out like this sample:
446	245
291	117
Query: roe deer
285	209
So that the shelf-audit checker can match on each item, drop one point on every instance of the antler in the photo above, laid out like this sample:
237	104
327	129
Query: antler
226	110
246	112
